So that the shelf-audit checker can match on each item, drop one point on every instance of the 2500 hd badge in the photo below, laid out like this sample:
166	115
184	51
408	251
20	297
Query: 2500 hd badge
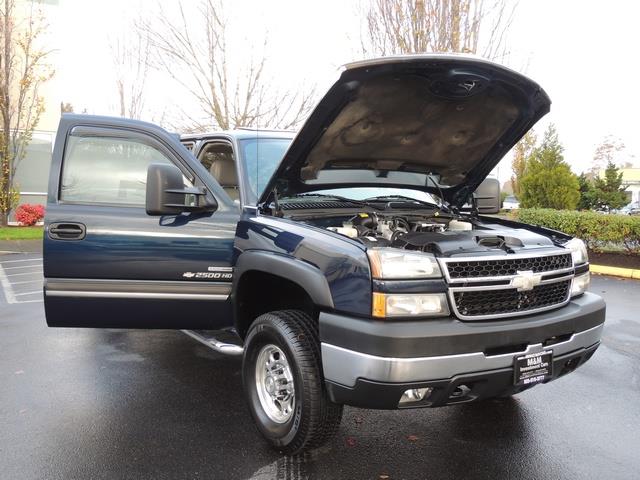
355	263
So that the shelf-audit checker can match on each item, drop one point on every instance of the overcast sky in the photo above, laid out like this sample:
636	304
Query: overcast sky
584	54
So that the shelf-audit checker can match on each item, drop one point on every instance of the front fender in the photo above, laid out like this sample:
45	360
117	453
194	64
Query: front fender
307	276
338	266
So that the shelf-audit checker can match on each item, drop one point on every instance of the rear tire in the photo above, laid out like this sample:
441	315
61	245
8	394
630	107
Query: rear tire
284	385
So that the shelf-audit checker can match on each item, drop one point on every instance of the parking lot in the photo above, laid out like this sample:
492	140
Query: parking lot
21	278
155	404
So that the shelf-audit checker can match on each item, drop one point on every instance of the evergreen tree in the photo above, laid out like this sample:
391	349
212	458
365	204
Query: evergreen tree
548	181
608	192
586	192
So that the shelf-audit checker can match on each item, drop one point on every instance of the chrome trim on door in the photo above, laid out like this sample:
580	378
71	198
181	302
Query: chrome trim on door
155	289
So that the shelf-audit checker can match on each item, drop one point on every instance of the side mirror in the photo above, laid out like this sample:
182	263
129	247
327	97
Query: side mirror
166	194
487	196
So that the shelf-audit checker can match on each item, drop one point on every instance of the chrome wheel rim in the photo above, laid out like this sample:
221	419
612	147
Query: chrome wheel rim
274	383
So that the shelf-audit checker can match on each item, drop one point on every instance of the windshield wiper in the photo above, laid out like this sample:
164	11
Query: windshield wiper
332	197
402	198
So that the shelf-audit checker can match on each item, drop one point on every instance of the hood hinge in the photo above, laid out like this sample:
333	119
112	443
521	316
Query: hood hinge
264	206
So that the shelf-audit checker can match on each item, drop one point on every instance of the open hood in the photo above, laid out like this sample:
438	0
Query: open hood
411	121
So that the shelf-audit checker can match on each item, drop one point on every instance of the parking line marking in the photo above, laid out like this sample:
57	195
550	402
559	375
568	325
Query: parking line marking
38	265
6	287
27	293
18	274
24	260
27	281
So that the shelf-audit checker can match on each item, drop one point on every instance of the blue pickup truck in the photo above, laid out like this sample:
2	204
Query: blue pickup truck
355	263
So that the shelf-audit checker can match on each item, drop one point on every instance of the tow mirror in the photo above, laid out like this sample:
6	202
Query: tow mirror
487	196
167	195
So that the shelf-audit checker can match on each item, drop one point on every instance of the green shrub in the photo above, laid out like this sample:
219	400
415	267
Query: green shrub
597	230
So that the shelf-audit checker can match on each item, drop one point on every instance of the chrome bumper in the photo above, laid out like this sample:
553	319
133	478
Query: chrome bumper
345	367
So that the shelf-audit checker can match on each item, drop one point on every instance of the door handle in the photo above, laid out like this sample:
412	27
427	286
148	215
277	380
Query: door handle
67	231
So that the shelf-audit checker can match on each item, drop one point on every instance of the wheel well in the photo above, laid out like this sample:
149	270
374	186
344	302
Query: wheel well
260	292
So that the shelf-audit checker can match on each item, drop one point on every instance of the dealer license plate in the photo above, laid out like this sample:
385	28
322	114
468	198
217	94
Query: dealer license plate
533	368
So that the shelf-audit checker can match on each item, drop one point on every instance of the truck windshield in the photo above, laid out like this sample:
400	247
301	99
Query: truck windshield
261	157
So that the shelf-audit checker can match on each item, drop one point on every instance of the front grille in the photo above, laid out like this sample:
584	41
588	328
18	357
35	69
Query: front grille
489	303
504	267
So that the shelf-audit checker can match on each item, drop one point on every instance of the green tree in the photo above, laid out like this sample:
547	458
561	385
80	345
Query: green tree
548	181
585	186
608	192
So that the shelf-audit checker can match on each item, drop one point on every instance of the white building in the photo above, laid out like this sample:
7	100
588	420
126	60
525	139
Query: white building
631	180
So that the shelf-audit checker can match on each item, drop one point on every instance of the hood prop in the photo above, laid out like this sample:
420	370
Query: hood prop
277	211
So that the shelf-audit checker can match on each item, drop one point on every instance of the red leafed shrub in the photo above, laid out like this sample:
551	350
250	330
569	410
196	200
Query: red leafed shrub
28	214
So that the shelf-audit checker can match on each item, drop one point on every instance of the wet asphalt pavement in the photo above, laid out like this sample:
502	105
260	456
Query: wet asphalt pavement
91	404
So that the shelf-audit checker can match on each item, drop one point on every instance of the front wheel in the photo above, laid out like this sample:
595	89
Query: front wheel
283	382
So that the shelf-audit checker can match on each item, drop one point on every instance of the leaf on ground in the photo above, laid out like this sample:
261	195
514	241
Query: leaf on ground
351	442
412	438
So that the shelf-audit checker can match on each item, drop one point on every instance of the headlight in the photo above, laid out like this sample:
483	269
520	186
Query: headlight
389	263
580	284
409	305
578	251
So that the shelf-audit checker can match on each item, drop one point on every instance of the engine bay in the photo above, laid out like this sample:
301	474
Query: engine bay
437	233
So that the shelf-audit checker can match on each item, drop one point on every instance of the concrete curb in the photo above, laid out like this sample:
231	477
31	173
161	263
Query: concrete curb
615	271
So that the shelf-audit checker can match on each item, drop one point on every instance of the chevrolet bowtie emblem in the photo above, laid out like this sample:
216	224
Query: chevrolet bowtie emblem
526	281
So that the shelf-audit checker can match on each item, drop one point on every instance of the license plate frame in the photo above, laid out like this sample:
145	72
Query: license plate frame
532	368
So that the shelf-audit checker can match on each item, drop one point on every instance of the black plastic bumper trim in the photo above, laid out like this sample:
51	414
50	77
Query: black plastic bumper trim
450	336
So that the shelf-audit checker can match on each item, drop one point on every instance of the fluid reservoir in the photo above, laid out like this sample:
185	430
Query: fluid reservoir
346	230
459	226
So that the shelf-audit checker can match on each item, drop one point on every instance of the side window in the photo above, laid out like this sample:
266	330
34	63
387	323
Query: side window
107	170
188	144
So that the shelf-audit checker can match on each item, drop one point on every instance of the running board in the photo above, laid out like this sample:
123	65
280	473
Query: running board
206	338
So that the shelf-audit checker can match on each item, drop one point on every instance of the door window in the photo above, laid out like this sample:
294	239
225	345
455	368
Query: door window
107	170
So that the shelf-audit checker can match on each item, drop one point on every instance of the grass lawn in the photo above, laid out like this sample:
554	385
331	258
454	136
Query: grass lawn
20	233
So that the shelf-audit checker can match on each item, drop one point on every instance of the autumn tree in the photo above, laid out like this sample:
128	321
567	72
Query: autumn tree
66	107
548	181
417	26
608	192
23	69
521	154
604	154
194	49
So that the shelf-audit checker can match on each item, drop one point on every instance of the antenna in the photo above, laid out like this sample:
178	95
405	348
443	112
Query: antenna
257	120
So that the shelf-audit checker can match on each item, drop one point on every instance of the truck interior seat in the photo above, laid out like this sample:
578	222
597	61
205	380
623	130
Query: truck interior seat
224	171
218	159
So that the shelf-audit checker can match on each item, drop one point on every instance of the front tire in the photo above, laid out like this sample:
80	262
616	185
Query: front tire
283	382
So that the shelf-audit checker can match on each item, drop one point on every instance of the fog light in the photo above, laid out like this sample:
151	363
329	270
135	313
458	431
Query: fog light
580	284
415	395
